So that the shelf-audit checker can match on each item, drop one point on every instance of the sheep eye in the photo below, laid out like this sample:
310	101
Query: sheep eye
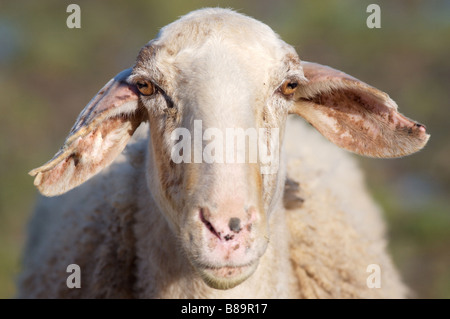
145	87
289	87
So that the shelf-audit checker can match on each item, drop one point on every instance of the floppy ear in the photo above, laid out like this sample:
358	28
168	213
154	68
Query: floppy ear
354	115
99	134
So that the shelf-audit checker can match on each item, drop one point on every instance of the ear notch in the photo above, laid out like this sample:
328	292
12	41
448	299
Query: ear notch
355	115
99	134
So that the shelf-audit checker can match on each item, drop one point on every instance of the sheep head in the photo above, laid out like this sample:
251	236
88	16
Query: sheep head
205	77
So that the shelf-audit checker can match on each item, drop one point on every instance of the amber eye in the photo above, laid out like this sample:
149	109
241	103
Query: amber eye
289	87
145	87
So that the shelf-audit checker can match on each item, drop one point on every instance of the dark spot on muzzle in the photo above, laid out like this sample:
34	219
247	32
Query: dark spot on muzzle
235	224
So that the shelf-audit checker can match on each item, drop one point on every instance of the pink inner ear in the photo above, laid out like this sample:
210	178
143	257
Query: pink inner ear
363	120
87	155
110	101
361	108
100	133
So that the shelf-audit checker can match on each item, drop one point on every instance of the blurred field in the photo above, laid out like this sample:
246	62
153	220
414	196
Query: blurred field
49	73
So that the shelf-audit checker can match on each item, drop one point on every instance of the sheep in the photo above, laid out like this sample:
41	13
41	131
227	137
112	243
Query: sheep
142	225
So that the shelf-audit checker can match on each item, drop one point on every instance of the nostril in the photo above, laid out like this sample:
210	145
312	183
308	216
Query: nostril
204	214
235	224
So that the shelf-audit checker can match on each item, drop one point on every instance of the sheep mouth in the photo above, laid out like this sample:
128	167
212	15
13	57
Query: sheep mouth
226	277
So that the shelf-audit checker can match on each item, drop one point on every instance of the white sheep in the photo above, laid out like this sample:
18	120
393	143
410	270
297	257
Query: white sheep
302	225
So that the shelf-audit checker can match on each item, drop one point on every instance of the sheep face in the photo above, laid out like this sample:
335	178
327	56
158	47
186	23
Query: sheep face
208	74
205	84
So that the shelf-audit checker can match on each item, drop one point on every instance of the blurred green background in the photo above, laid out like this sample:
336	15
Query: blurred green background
49	73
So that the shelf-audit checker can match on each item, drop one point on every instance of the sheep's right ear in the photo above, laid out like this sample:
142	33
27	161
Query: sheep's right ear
355	115
100	133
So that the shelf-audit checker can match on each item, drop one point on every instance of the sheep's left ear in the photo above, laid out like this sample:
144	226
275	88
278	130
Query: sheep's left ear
354	115
99	134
